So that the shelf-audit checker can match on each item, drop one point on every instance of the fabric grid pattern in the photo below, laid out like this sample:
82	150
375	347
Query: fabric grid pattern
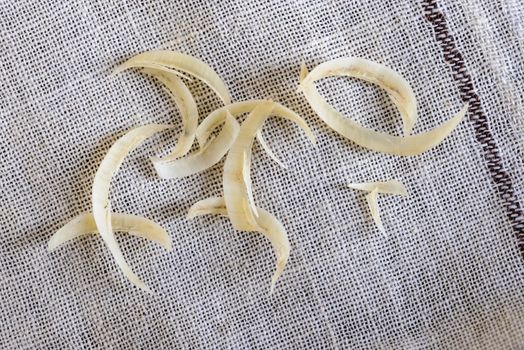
450	274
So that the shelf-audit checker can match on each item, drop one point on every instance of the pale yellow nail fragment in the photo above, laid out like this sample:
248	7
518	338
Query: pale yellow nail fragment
400	93
267	224
374	188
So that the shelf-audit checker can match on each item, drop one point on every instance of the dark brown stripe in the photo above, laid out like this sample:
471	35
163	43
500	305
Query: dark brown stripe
500	177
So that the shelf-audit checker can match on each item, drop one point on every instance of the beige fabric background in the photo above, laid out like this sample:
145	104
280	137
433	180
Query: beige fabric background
450	275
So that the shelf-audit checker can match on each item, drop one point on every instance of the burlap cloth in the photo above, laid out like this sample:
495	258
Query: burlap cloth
449	276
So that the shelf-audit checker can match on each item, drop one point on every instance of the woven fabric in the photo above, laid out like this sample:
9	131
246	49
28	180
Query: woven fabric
450	275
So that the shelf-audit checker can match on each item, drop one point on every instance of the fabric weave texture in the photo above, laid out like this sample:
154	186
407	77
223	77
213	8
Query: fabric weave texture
449	275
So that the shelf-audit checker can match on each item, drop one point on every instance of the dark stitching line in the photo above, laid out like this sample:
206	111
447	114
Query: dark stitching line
500	177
